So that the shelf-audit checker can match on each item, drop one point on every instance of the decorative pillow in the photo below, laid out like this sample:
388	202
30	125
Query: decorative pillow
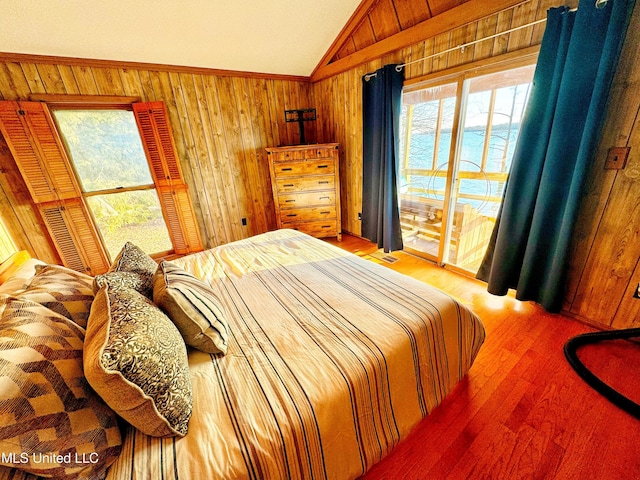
122	279
132	259
62	290
192	306
136	360
51	422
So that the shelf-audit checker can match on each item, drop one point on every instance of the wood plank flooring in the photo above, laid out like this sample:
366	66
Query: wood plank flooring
521	412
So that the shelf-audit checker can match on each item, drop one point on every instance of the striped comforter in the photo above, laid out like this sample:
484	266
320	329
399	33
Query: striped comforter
332	360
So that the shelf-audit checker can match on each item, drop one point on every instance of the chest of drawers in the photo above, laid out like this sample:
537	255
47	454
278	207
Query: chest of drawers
306	188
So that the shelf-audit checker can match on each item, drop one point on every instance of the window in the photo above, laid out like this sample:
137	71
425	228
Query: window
459	139
86	203
105	148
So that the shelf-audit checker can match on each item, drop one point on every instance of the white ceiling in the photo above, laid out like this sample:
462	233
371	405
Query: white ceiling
267	36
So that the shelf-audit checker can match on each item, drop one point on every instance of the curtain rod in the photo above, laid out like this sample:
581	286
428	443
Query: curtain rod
599	4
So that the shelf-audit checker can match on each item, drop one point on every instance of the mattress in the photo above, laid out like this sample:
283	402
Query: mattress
332	360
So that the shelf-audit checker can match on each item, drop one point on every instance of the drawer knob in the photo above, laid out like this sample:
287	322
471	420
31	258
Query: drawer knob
289	201
324	182
289	185
323	166
292	215
288	169
325	198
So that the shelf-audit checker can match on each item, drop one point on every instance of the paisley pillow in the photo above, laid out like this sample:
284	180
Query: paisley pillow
136	360
134	260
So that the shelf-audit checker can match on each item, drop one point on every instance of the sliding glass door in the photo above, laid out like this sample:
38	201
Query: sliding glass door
457	143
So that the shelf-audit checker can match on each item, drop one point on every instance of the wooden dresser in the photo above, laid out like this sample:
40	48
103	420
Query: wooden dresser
306	188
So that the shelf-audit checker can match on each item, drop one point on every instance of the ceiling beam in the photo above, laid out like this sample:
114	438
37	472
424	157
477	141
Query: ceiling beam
459	16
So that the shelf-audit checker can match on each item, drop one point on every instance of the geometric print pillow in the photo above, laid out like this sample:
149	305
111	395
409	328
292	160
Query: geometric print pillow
51	422
62	290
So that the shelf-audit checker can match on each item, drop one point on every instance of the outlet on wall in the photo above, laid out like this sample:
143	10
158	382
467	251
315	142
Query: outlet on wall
637	292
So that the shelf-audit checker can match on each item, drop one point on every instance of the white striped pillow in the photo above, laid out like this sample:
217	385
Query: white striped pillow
192	306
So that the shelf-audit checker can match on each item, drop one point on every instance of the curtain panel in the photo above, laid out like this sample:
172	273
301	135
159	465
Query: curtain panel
531	240
381	105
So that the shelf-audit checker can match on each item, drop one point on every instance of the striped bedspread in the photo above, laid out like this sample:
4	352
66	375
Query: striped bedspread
332	360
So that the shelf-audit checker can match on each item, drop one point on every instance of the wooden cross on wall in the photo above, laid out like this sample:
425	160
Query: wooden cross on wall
300	116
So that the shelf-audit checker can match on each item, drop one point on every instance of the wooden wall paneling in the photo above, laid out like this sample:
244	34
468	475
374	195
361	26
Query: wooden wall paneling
501	42
108	81
292	103
384	20
522	15
441	43
256	184
614	256
208	186
411	12
439	6
414	52
354	160
308	99
51	79
68	80
32	76
235	147
342	91
486	27
131	83
264	137
462	36
5	84
628	313
224	180
427	63
364	36
148	94
193	119
277	127
85	80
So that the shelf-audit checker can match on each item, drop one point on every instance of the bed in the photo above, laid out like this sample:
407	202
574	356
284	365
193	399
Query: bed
331	361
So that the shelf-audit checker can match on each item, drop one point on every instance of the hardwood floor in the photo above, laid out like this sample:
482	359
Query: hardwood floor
521	412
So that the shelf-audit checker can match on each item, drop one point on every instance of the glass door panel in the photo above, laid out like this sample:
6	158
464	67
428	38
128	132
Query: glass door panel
458	174
428	118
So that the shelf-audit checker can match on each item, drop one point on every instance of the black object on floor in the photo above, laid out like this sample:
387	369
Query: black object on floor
570	352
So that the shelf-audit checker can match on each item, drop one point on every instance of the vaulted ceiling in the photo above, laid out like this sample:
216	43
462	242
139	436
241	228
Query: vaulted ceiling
288	37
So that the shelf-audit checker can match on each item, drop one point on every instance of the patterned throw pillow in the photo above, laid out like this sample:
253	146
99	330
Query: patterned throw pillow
121	279
62	290
192	306
132	259
136	360
51	422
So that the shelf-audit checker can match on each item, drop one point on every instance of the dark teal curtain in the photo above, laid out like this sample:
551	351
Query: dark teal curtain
381	107
532	237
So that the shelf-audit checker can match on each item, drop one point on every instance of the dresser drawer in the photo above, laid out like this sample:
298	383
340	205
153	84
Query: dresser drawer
308	214
305	184
297	200
317	229
305	167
